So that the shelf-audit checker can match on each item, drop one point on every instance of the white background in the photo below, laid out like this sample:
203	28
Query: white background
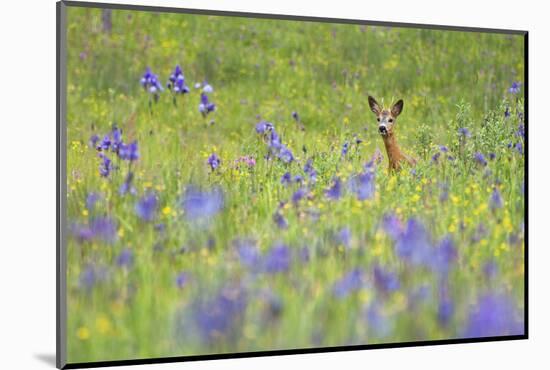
27	182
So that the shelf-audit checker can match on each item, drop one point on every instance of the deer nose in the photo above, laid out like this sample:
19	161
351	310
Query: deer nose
383	130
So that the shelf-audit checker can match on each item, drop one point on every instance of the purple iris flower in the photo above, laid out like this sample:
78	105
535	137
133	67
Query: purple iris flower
363	185
392	226
443	256
182	279
385	281
495	201
280	220
335	191
445	307
310	171
380	325
521	130
146	207
249	254
494	315
515	88
519	147
150	82
207	88
349	283
285	155
480	159
507	112
286	178
444	192
263	127
414	245
443	149
219	317
298	195
343	237
117	139
129	152
102	228
277	259
94	139
345	149
128	186
214	161
125	258
105	143
205	105
275	140
202	204
92	275
464	132
91	200
105	166
176	82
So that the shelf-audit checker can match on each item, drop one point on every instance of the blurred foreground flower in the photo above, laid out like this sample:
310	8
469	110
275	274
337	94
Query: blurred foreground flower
102	228
335	191
220	317
201	205
495	201
494	315
146	207
125	259
277	259
349	283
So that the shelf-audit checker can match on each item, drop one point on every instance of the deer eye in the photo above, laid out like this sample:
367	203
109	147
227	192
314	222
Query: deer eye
378	119
391	120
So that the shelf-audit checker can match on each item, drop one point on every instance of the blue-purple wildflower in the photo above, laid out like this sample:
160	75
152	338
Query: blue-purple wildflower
335	191
495	201
146	207
277	259
205	105
176	82
515	88
202	204
349	283
494	315
214	161
129	152
150	82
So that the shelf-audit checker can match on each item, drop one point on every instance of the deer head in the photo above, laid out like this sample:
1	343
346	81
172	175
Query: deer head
385	117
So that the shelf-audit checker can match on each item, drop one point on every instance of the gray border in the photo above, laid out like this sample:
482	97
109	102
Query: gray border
61	189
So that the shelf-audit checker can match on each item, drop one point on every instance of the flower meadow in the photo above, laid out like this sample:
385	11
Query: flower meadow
228	191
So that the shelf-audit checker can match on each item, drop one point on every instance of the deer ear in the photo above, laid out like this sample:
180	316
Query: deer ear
397	108
373	104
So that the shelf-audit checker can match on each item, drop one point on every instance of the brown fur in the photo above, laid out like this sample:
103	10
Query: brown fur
386	120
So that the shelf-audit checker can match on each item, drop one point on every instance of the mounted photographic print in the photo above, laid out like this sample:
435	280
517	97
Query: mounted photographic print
234	185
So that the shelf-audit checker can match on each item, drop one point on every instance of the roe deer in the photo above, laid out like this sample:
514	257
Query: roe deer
386	123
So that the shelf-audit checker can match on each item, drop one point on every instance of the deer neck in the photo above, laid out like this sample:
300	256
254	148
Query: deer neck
392	149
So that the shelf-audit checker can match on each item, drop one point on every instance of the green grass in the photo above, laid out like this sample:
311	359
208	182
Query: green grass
266	69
